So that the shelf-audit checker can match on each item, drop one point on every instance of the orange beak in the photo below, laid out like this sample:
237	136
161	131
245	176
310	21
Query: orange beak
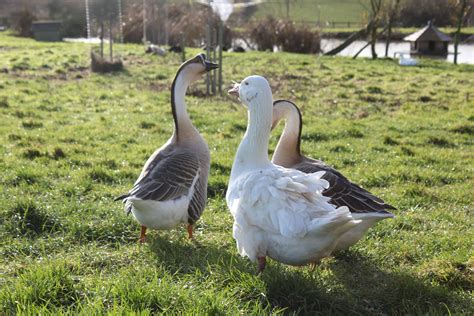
235	90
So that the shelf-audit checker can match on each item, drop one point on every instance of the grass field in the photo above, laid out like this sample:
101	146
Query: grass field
71	141
312	11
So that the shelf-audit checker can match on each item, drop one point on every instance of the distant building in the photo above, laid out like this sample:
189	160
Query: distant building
429	41
47	31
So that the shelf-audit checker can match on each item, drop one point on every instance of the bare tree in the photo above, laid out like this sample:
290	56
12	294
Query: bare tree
376	18
392	11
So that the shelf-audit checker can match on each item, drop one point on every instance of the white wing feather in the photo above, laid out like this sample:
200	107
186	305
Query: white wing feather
282	201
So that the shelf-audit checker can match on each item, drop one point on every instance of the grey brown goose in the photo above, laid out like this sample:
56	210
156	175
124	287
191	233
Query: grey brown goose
363	205
172	187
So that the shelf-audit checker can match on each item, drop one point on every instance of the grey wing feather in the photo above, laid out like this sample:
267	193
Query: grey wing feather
167	177
343	192
198	202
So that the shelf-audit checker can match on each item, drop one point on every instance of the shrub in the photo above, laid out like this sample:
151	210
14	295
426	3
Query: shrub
263	33
71	15
286	35
101	65
183	20
418	13
22	22
298	39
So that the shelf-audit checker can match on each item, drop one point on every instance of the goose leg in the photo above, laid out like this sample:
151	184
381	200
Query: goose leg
313	265
142	235
262	262
190	231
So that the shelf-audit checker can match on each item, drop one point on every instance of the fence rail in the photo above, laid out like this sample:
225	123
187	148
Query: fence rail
333	24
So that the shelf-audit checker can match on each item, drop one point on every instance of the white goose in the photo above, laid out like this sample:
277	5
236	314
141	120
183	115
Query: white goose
278	212
172	187
363	205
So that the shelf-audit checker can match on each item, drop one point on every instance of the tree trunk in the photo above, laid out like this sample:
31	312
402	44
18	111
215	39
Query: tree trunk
369	43
392	17
461	13
389	36
373	41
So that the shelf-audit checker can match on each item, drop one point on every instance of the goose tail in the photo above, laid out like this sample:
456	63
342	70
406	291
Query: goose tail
338	223
122	197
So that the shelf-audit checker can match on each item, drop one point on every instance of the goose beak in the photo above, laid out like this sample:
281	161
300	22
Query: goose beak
235	90
210	65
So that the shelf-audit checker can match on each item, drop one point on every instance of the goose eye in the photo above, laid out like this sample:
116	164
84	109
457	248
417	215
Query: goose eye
246	83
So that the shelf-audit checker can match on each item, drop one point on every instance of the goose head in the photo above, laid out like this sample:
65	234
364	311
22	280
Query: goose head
285	109
252	91
193	69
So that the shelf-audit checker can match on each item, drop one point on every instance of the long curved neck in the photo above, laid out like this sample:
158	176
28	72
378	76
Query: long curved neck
182	123
288	151
253	150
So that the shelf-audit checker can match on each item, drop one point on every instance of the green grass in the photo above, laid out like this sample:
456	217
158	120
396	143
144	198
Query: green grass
311	11
71	141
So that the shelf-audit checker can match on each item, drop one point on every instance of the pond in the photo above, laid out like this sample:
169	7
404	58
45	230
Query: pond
466	51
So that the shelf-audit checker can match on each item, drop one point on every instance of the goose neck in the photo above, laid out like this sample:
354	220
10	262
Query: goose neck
287	150
253	150
182	122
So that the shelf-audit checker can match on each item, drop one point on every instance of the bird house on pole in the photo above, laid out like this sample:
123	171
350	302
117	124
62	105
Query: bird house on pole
429	41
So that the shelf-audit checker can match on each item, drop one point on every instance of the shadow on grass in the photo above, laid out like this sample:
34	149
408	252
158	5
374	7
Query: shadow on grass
383	292
352	284
184	256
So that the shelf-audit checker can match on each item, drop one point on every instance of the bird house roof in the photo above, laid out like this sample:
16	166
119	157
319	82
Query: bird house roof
428	33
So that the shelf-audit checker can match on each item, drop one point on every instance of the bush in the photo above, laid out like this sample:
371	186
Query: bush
286	35
183	20
22	21
418	13
297	39
263	33
72	17
102	65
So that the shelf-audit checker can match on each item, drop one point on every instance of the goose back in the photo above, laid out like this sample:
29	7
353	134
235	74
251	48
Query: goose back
342	191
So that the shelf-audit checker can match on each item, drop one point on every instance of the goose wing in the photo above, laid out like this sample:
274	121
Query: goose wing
342	191
168	175
280	201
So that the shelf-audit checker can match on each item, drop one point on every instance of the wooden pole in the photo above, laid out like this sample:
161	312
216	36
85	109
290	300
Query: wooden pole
166	22
214	46
110	38
183	53
88	20
221	44
120	20
208	50
102	36
144	22
153	32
